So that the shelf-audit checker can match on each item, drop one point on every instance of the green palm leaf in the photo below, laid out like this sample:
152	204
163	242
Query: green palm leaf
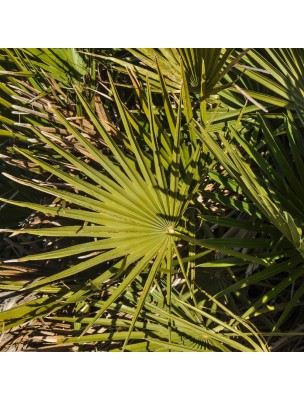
132	203
132	209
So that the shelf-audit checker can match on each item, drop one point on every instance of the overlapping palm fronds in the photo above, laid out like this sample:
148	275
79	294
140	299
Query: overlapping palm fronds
202	67
132	203
269	178
274	76
169	202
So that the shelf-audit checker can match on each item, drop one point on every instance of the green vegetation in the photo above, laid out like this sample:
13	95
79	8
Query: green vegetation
152	199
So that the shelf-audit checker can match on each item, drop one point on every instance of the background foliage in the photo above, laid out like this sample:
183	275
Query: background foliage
151	199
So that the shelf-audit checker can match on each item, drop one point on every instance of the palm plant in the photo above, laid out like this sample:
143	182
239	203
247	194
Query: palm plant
210	74
170	209
266	174
30	79
273	76
205	66
133	204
